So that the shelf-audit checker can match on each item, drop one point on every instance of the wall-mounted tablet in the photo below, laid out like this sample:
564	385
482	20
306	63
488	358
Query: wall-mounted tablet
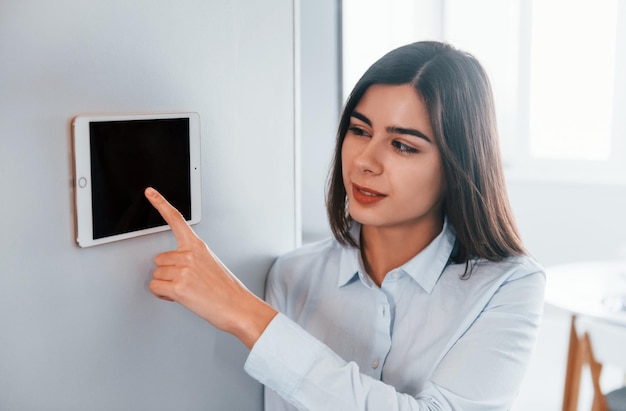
117	156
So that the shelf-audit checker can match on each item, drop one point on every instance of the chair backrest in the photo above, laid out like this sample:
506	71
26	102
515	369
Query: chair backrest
601	343
608	340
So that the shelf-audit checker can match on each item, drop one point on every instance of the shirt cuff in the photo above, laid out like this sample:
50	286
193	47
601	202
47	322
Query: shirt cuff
282	356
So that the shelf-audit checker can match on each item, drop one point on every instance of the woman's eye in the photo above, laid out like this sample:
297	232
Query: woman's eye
403	148
357	131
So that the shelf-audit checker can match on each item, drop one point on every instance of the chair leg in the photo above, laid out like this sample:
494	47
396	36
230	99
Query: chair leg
595	369
573	371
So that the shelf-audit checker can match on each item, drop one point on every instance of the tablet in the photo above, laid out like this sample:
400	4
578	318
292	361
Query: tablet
117	156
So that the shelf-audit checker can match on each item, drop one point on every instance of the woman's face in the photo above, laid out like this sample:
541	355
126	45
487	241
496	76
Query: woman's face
391	164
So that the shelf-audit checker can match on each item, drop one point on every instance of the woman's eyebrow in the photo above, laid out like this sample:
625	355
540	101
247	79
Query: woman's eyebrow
392	129
409	131
361	117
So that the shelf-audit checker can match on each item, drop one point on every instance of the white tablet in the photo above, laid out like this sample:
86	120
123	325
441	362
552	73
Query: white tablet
117	156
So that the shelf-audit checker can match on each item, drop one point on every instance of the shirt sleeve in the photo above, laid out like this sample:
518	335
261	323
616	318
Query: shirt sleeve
307	374
482	371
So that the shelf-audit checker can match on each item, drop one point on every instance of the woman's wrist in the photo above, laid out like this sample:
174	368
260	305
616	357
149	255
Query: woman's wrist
256	316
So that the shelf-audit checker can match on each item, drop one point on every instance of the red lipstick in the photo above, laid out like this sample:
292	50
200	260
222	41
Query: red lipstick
365	195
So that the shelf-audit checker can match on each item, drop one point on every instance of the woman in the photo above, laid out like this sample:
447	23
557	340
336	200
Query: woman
425	298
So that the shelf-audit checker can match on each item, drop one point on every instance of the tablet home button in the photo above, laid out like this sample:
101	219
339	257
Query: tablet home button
82	182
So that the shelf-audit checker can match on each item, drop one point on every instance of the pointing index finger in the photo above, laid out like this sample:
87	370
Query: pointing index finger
182	231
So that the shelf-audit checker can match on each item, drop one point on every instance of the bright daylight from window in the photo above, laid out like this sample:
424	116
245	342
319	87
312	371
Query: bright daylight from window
572	72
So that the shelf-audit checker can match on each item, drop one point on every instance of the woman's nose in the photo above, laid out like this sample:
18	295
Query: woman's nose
369	160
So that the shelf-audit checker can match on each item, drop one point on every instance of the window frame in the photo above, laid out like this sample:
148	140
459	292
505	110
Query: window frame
520	165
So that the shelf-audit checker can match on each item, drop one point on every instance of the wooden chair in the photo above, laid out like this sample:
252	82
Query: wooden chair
602	343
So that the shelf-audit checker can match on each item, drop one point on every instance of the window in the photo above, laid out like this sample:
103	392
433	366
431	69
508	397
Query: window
558	70
572	79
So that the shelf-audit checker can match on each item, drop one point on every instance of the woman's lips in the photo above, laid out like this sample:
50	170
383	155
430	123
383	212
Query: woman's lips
365	195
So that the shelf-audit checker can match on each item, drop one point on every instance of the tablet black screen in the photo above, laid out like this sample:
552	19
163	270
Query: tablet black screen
127	157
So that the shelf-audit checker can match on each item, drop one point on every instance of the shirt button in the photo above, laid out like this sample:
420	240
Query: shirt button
395	276
375	364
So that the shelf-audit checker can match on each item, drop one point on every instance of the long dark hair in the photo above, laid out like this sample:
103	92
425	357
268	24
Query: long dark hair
458	97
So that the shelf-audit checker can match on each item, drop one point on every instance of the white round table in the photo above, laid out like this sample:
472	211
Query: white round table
591	288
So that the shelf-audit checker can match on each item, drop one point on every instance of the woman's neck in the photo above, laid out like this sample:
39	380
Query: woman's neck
386	248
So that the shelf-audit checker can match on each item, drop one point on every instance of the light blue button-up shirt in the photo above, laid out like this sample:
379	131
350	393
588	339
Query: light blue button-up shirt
425	340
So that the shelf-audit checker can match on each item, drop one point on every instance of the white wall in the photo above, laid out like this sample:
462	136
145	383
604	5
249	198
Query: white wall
320	108
566	222
79	329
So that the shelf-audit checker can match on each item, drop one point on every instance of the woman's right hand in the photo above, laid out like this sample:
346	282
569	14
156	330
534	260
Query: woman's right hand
194	277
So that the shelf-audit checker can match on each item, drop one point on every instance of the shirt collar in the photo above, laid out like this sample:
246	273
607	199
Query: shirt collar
351	264
425	268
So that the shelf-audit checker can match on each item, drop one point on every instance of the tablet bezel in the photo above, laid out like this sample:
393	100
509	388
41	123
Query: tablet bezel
82	173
